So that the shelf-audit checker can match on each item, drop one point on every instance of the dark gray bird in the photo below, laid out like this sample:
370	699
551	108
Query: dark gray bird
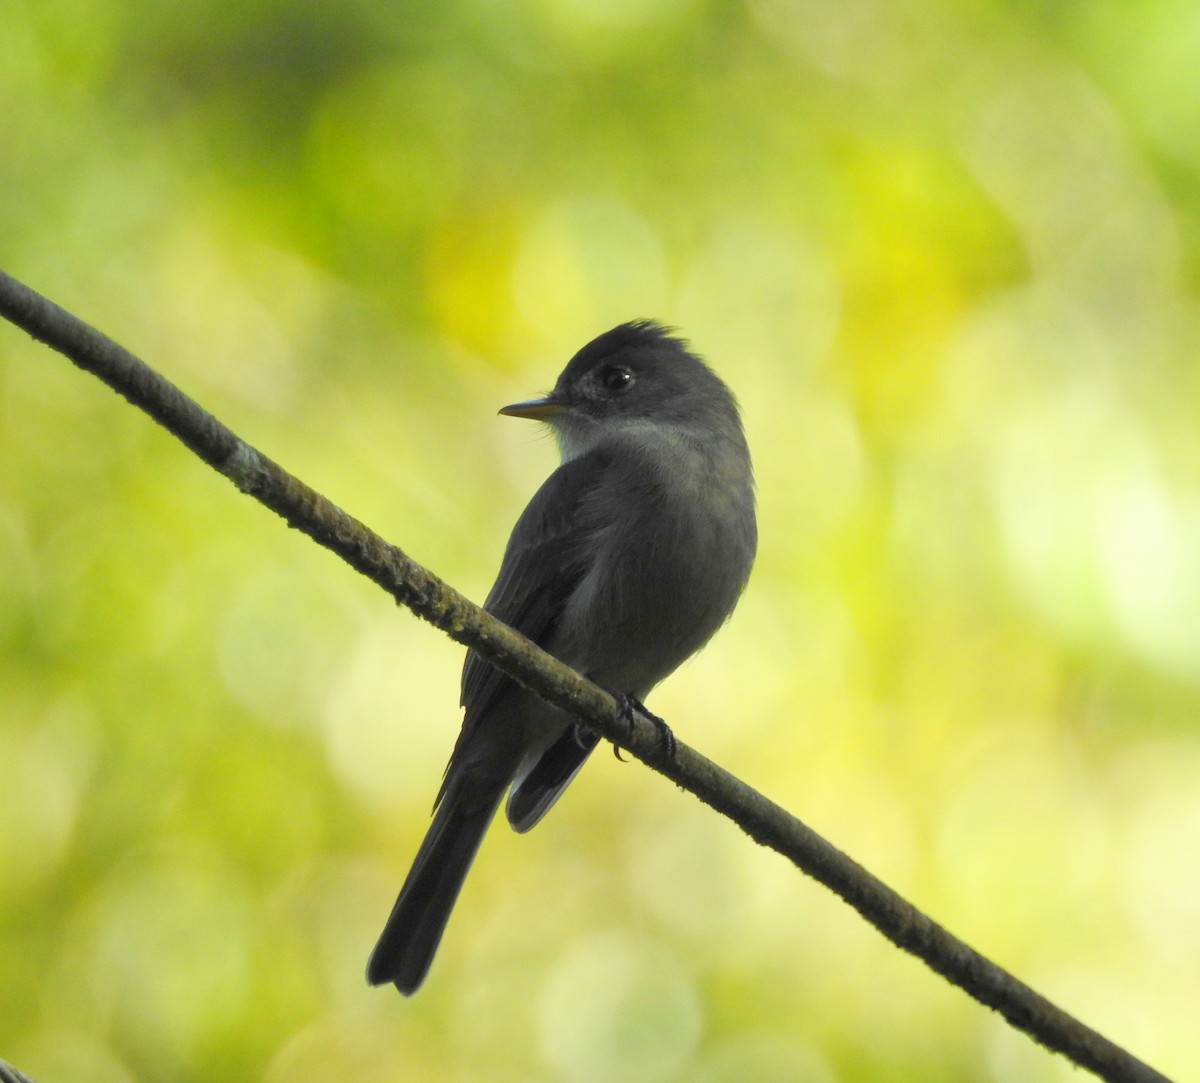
626	561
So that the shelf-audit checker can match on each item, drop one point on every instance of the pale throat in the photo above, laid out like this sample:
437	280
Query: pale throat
577	436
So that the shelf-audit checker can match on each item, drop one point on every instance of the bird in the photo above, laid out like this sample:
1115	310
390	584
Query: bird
625	562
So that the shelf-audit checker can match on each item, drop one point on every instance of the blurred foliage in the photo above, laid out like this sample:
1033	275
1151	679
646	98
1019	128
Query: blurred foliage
947	255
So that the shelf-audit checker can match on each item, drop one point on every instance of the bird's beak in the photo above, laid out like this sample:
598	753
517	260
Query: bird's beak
537	409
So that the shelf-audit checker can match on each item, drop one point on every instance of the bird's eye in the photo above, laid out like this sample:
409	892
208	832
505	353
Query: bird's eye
616	378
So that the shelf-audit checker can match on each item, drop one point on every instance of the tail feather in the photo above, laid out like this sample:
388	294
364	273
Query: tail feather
531	797
413	931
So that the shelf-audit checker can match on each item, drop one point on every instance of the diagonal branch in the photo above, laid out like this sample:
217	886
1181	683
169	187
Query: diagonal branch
440	604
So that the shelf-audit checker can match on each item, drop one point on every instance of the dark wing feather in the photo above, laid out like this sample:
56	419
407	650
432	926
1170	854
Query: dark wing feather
542	565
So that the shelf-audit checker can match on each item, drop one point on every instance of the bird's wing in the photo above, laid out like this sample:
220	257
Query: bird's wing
544	561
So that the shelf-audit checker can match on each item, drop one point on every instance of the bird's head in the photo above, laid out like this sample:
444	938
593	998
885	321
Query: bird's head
638	376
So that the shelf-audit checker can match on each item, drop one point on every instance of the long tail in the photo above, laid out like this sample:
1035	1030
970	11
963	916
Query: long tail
414	929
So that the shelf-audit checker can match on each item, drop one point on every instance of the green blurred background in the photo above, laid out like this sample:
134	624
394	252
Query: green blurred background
947	256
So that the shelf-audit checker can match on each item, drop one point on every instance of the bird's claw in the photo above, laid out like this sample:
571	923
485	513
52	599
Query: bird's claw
630	705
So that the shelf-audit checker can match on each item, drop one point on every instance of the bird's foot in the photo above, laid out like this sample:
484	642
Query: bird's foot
629	706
